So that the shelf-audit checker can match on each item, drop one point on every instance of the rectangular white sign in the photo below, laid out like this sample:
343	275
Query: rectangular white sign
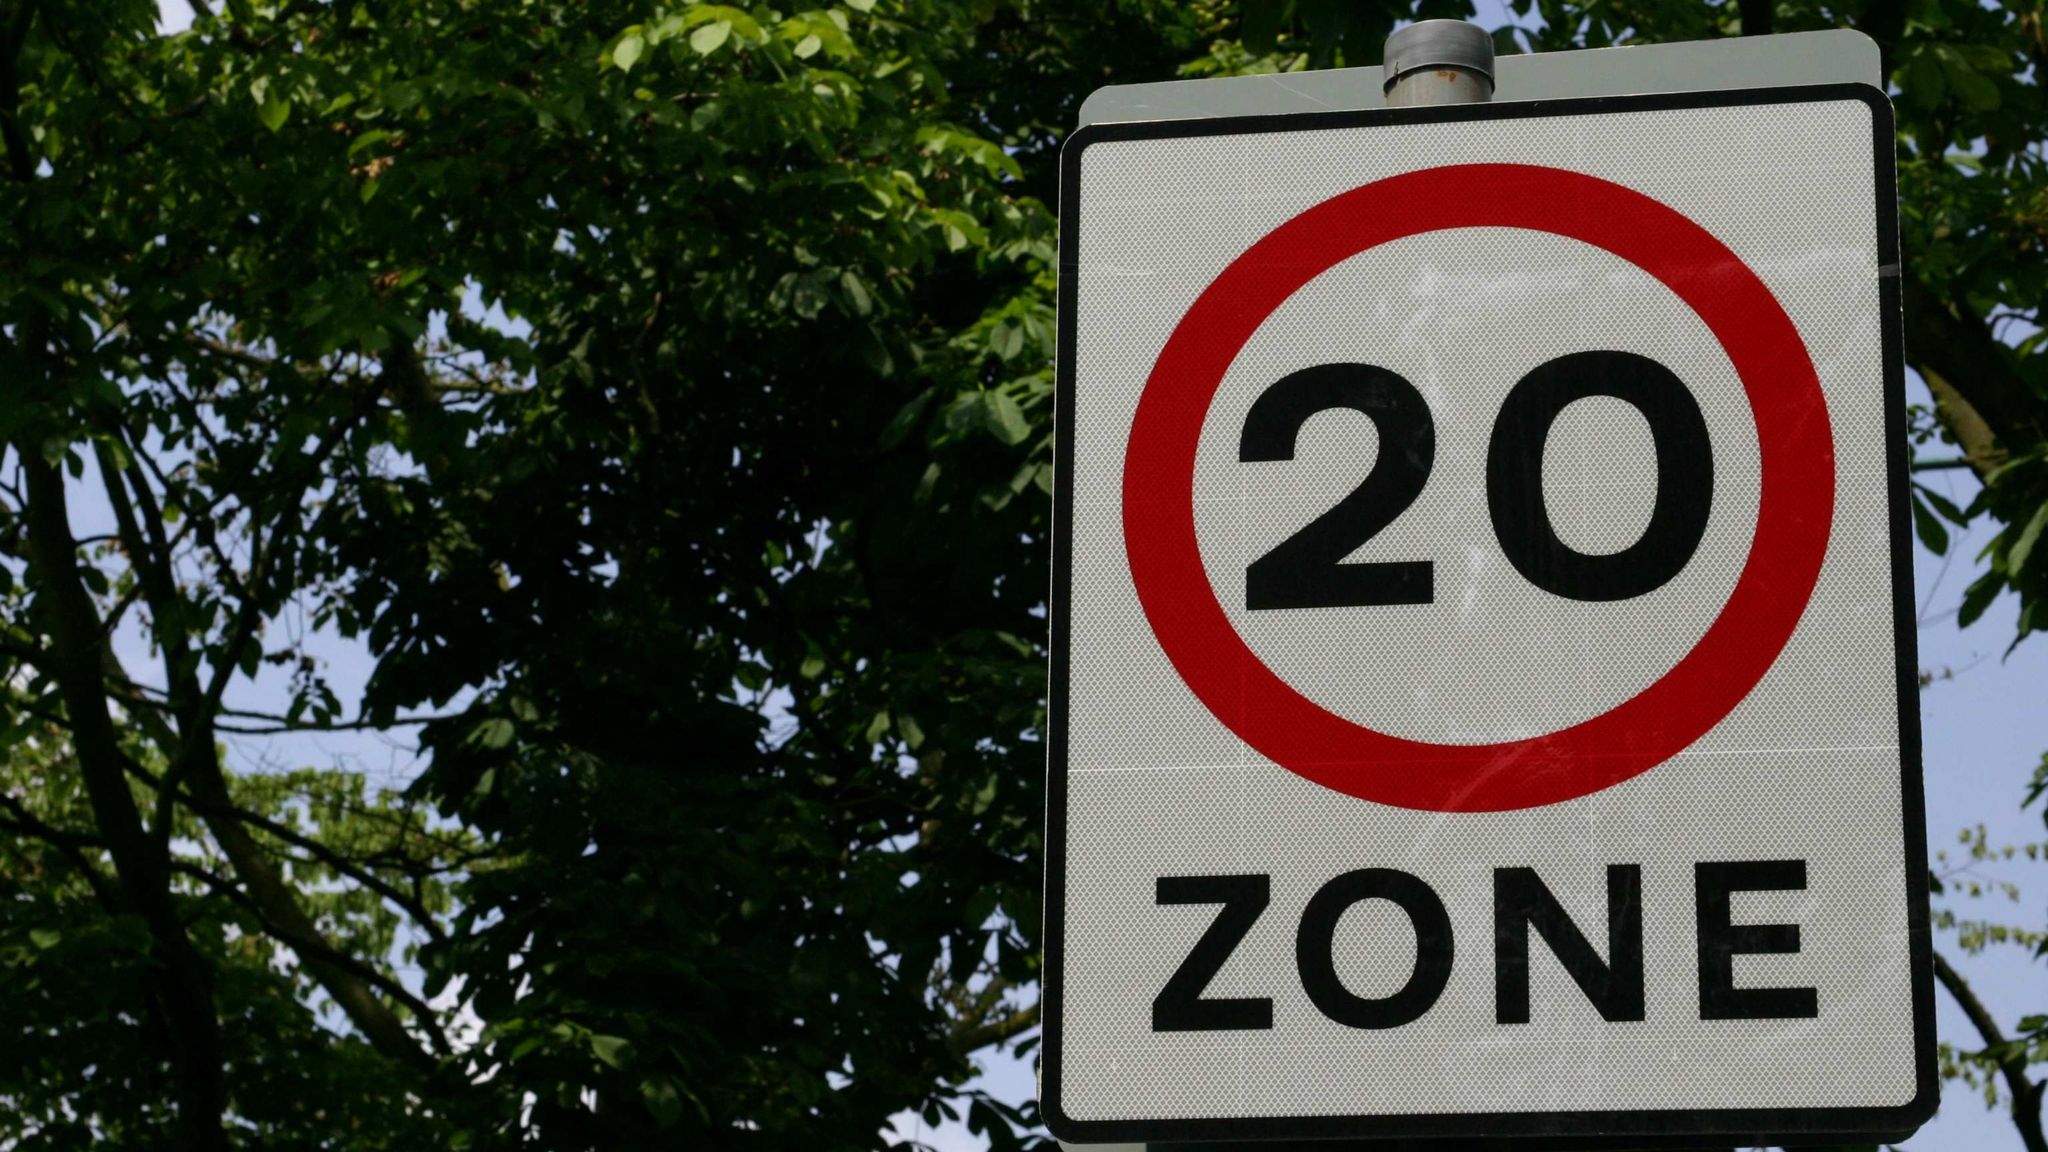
1483	675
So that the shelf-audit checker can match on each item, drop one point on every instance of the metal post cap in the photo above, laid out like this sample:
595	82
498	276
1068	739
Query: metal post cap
1438	44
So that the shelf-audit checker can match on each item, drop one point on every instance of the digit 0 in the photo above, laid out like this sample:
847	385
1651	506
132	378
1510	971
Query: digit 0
1514	476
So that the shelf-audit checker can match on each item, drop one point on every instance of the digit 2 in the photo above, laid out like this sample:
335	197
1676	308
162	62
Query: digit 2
1306	570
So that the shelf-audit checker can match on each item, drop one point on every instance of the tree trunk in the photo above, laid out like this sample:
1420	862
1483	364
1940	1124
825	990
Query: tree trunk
180	979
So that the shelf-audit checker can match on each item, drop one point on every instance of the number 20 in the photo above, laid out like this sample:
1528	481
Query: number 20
1306	570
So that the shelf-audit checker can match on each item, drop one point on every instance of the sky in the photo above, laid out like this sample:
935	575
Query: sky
1984	729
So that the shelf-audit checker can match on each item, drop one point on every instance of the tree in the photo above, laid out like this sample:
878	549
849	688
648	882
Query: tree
659	396
138	255
762	431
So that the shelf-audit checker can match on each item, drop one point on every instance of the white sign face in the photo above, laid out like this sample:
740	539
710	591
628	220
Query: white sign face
1483	681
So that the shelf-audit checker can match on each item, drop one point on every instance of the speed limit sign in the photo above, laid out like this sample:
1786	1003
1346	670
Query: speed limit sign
1483	689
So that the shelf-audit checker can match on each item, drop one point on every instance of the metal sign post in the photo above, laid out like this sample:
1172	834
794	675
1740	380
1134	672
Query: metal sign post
1483	683
1438	62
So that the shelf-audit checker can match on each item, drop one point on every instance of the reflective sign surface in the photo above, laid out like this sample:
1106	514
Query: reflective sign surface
1480	696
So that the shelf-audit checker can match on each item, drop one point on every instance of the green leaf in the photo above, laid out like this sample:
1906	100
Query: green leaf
493	734
663	1101
2027	462
1928	527
1007	340
807	47
906	419
856	293
1921	81
967	412
1943	504
1979	597
877	727
1972	87
1260	28
1003	418
2023	549
710	37
367	141
45	938
1021	479
613	1050
628	50
274	114
874	352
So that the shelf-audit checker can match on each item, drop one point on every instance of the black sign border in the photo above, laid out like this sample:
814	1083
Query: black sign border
1667	1128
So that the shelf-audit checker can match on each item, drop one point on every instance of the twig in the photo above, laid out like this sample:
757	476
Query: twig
2011	1060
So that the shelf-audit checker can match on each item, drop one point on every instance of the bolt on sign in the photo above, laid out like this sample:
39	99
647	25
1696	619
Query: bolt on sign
1483	679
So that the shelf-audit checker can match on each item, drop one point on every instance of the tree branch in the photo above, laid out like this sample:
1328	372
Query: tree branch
2012	1062
964	1041
70	845
21	164
152	567
343	865
194	759
316	948
1987	404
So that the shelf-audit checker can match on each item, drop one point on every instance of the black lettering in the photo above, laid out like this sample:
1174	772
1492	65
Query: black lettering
1179	1007
1315	946
1306	570
1514	476
1721	940
1615	987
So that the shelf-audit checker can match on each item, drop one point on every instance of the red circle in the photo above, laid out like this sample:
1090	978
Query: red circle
1795	510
